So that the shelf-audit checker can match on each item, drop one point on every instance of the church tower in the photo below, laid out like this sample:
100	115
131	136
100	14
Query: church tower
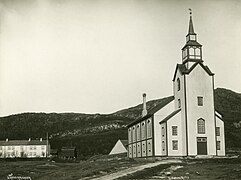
193	86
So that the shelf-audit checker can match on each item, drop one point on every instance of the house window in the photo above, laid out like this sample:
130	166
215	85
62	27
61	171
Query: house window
201	126
174	130
179	103
0	147
217	131
9	147
174	145
34	148
200	101
42	147
218	145
178	84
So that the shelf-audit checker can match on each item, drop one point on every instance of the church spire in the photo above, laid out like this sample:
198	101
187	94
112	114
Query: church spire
191	29
192	51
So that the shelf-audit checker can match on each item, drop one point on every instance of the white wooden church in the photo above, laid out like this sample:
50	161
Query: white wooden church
187	125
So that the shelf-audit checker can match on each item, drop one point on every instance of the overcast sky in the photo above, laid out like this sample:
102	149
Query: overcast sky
99	56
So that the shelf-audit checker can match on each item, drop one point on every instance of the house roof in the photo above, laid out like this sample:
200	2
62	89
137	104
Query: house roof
152	111
68	151
68	148
170	116
183	70
22	142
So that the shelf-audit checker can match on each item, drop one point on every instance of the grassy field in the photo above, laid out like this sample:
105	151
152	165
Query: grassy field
206	169
203	169
50	170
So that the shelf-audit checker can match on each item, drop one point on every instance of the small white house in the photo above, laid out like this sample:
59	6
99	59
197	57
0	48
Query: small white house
120	147
187	124
24	148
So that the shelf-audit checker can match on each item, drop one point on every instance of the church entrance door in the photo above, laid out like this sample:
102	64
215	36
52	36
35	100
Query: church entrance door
202	146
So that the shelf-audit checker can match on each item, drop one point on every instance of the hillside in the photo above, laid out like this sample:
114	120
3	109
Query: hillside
96	133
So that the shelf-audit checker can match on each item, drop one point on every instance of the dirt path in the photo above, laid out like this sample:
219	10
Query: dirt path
135	169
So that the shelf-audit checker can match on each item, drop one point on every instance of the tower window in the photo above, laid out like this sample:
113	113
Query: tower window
201	126
218	145
174	145
217	131
178	84
200	101
174	130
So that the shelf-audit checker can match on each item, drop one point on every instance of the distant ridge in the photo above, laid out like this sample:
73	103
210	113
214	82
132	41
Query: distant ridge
97	133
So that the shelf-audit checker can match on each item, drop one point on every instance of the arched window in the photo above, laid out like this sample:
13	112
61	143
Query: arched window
201	126
178	84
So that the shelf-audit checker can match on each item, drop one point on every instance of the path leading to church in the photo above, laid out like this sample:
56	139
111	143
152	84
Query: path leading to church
134	169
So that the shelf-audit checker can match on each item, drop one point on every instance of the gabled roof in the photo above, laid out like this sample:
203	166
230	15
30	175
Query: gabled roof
218	115
151	112
22	142
183	70
170	116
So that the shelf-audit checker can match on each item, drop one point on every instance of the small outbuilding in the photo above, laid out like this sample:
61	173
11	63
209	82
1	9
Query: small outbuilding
68	152
120	147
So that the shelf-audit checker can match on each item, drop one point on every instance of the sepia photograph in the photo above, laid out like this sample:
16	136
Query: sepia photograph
120	89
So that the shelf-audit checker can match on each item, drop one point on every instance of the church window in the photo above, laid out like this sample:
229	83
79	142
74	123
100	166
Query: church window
130	136
163	131
218	145
201	126
138	133
174	130
143	130
163	146
200	101
134	134
217	131
149	128
179	103
178	84
174	145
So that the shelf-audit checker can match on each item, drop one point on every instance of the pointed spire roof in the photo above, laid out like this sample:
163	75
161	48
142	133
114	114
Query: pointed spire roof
191	28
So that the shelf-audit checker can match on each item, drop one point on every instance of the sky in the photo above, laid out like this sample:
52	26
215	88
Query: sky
99	56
